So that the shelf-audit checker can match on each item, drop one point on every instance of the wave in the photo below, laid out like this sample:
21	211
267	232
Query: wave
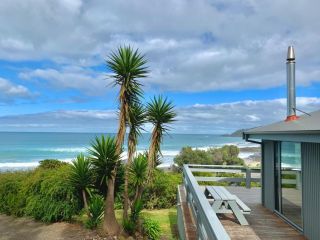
21	165
64	149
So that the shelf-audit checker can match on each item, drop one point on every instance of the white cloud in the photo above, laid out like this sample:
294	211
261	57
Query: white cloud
198	118
194	45
228	117
69	121
10	92
70	77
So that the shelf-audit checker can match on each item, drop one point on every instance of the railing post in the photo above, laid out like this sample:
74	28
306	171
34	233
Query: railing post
248	178
298	180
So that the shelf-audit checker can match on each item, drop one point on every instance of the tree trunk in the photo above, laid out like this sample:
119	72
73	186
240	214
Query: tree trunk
84	199
137	195
152	154
110	225
131	150
125	195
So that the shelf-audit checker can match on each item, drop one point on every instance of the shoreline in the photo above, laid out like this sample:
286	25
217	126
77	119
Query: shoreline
250	153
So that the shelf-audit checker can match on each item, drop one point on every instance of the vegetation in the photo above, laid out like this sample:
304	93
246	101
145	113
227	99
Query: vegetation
51	163
127	66
95	209
137	118
105	158
138	173
44	194
227	155
151	229
167	219
160	113
57	191
81	176
161	193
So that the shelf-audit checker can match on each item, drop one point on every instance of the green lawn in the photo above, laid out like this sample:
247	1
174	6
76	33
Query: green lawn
167	219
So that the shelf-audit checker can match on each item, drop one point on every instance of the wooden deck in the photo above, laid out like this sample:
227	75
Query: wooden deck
263	223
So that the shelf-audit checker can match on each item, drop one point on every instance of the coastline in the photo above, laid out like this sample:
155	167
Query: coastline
250	154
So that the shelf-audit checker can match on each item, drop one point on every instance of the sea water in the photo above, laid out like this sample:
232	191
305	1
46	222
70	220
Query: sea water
20	150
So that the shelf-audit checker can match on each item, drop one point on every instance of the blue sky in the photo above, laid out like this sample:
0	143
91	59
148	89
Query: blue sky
221	63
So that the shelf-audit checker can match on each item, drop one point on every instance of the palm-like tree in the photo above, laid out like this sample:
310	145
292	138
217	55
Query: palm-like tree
137	118
105	158
81	176
138	172
160	113
127	65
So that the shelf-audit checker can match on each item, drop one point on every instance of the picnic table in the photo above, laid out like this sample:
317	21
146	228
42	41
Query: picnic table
222	201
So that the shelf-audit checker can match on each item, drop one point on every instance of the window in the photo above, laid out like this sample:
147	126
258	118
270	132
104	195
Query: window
288	181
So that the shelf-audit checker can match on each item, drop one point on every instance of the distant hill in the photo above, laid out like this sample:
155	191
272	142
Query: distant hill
237	133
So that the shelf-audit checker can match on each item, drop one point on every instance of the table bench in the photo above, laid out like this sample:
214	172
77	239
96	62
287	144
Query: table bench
222	201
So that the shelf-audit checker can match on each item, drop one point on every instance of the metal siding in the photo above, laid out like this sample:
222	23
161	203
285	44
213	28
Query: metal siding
311	189
268	175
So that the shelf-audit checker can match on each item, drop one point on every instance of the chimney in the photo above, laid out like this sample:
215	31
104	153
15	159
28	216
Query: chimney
291	86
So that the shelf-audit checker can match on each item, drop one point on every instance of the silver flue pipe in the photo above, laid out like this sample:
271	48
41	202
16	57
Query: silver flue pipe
291	85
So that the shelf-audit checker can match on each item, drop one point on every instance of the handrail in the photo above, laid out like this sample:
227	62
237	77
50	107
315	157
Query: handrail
208	225
247	178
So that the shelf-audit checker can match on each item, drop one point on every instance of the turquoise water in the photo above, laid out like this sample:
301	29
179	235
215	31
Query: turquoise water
19	150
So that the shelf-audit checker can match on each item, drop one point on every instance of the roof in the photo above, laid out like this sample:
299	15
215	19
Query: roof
304	125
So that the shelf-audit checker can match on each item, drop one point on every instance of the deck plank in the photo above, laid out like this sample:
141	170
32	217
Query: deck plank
263	224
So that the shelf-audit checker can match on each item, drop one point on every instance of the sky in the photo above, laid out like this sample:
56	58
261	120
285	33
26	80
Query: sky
222	63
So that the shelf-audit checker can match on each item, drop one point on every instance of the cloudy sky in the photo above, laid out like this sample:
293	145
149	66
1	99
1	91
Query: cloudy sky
221	62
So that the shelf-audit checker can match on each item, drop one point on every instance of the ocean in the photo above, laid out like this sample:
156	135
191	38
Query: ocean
19	150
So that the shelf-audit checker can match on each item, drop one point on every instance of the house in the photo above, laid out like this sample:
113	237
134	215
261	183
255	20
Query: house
291	163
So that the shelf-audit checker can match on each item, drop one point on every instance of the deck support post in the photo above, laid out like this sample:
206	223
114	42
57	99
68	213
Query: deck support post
248	178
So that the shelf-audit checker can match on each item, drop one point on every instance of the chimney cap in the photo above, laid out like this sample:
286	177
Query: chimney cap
290	54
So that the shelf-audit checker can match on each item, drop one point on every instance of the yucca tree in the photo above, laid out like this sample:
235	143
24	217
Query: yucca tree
160	112
127	66
81	176
138	172
105	158
136	120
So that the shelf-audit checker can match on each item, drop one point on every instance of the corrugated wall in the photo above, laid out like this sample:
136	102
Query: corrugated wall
268	175
311	189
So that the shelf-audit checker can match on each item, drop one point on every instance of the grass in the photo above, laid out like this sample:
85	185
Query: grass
167	219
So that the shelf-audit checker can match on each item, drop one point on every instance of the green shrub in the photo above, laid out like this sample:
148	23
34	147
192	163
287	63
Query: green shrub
11	200
151	229
227	155
188	155
95	209
129	226
50	196
51	164
162	191
132	224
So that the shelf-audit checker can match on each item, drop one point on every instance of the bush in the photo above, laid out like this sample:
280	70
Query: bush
11	200
50	196
227	155
162	191
95	209
51	164
188	155
44	193
132	224
151	229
